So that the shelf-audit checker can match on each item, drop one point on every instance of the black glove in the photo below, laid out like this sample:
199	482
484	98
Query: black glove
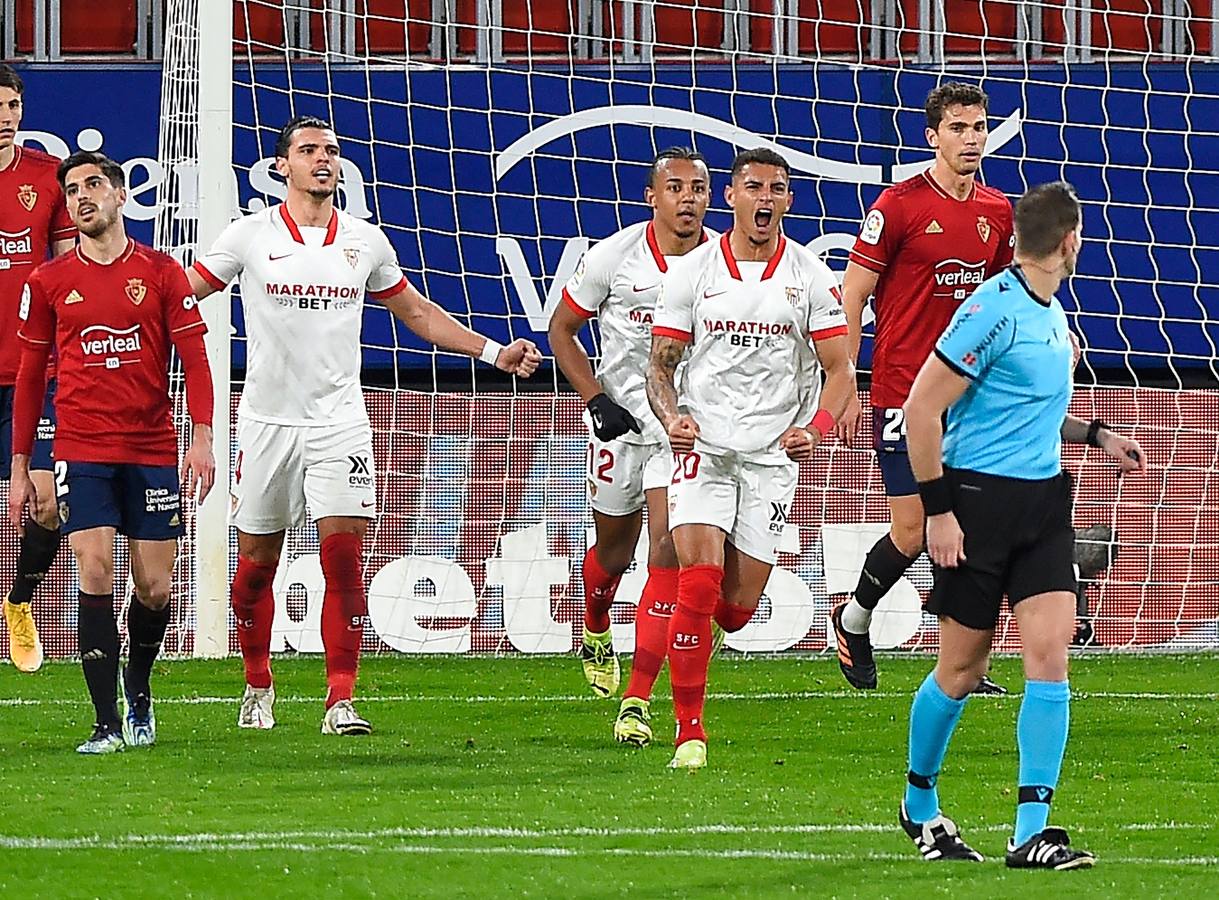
609	419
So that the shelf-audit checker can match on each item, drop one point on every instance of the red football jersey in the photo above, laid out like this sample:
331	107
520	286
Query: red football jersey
931	250
113	327
32	217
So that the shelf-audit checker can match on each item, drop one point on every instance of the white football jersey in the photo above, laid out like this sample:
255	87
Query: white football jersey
302	292
618	280
752	372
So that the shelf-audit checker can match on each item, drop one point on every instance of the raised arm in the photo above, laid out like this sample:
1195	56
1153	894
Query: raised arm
432	323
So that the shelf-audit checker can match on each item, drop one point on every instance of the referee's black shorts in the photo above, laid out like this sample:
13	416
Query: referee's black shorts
1018	541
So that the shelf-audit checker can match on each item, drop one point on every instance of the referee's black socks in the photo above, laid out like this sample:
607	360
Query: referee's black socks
38	549
97	635
884	565
145	632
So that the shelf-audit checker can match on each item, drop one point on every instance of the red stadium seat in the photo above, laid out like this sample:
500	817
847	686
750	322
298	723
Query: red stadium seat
827	27
976	29
82	30
258	26
699	25
381	29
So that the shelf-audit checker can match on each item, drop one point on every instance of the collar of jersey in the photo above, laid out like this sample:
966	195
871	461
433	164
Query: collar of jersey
332	227
1014	268
730	260
122	257
654	246
935	186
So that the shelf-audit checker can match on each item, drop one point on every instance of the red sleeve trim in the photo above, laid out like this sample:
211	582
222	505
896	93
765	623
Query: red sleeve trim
872	265
575	307
826	333
202	272
676	333
61	234
30	340
188	327
389	291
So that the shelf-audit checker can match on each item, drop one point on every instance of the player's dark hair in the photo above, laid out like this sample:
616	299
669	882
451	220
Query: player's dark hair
112	170
10	79
1044	216
283	143
688	153
763	155
949	94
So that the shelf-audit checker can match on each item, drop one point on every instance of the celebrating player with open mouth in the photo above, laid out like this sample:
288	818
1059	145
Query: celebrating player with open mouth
303	432
925	245
762	316
628	457
113	311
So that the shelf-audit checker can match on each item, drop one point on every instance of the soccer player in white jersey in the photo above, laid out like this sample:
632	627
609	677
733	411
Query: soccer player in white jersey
762	317
303	433
628	457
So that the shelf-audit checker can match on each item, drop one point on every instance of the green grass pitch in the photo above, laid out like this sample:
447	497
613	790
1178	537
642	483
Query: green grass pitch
499	777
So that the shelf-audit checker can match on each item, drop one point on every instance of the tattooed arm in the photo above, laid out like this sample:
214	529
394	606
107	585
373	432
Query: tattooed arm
662	394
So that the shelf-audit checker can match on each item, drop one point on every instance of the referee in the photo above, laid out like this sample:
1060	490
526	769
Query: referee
999	522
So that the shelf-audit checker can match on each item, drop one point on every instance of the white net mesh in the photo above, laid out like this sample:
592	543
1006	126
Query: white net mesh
493	141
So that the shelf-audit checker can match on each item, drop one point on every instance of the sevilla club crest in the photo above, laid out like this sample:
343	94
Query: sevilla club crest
27	196
136	290
352	255
984	229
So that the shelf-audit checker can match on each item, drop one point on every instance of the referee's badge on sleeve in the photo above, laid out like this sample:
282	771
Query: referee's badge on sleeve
873	225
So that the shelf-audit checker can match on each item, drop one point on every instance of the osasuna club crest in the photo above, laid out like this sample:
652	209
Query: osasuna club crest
984	228
352	256
136	290
27	196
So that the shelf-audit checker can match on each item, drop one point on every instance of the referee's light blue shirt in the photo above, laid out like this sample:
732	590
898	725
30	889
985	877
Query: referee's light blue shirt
1013	347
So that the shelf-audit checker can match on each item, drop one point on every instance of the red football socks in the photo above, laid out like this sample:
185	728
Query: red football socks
699	590
343	609
652	619
599	590
731	618
254	608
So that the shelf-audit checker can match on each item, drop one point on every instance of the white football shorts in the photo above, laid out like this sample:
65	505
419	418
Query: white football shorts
620	473
748	501
285	470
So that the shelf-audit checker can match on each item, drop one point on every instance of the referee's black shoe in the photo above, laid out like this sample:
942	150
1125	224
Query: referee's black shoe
1048	849
937	839
854	653
986	686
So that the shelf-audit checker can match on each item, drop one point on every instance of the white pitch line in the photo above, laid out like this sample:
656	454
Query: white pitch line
589	698
206	846
330	837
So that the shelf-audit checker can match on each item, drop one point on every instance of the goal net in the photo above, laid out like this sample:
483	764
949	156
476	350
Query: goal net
494	141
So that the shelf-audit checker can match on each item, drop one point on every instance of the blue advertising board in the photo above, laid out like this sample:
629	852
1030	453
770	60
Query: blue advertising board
491	184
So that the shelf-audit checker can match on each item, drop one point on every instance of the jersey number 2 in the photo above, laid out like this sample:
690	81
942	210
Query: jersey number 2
894	428
599	464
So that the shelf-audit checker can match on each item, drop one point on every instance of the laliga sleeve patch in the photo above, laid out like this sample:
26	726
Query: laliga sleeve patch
873	225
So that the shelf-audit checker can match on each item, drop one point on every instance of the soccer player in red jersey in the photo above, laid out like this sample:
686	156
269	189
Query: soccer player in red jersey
113	311
925	244
33	220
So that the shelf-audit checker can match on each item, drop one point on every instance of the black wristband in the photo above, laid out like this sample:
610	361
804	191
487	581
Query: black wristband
1093	438
936	495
